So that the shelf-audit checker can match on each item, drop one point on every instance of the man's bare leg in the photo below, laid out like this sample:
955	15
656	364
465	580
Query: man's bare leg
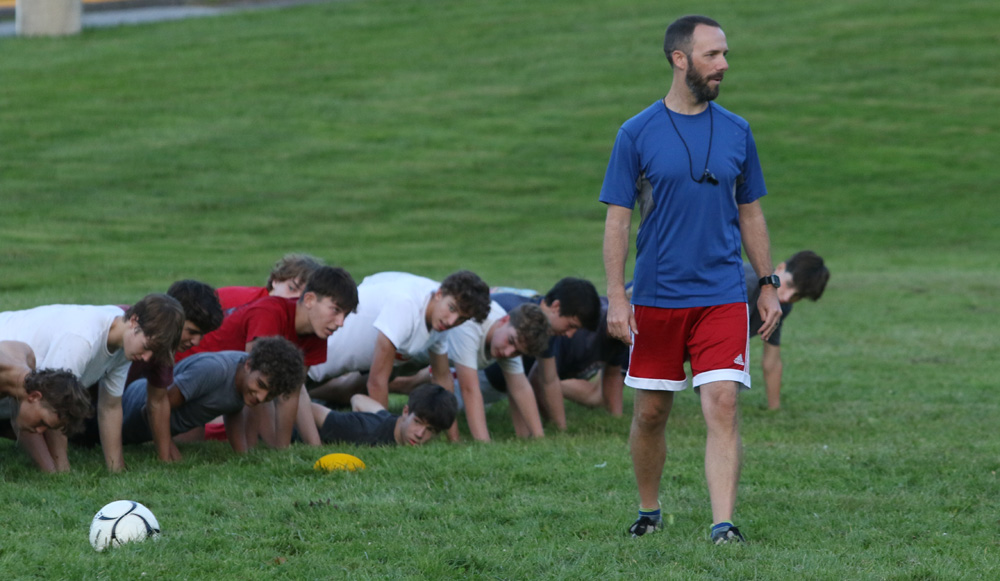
723	448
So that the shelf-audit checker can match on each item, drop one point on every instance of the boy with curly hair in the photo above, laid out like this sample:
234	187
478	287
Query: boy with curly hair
211	384
36	400
401	325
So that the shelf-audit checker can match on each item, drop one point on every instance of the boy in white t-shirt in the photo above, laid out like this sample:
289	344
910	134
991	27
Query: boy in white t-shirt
502	338
97	344
400	323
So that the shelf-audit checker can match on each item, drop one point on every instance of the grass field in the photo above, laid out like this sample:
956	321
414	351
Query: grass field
436	135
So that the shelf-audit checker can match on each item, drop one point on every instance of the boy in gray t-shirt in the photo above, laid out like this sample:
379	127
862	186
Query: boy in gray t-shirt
211	384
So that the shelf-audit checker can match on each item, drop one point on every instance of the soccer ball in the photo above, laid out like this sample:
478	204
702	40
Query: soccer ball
332	462
120	522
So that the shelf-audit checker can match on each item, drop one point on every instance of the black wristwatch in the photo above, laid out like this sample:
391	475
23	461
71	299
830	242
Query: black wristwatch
771	280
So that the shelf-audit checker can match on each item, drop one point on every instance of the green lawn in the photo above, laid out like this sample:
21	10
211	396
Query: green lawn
436	135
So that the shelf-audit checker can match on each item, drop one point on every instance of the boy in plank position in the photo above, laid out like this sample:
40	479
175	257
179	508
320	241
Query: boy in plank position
35	400
590	366
307	322
430	410
502	338
202	315
209	384
288	278
402	319
96	344
570	305
804	275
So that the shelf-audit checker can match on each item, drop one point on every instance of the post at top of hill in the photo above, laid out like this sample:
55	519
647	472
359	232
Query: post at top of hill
48	17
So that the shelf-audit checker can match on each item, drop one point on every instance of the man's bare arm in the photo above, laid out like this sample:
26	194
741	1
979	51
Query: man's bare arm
617	229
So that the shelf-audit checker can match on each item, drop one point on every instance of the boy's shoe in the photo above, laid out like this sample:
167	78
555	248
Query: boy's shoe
644	525
727	535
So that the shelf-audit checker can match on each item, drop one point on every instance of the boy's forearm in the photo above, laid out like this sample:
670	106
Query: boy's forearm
441	371
773	368
378	390
475	411
520	392
236	432
286	410
158	412
304	420
37	448
552	392
363	403
380	371
612	386
109	411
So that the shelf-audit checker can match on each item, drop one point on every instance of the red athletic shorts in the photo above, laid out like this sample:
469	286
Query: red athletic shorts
714	339
215	431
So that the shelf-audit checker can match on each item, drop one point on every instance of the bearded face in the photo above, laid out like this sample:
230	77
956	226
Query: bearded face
701	86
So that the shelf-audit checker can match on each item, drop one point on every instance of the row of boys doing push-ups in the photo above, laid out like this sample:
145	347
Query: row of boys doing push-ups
166	368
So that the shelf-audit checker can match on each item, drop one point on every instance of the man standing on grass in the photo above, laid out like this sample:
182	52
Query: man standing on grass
693	168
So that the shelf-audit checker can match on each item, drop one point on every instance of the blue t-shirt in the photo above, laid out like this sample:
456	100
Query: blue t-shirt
688	247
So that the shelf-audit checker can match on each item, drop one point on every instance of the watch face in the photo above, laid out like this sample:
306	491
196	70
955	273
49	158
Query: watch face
772	280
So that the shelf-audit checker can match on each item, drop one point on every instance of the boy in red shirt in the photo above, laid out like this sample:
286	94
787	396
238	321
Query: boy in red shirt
288	277
329	296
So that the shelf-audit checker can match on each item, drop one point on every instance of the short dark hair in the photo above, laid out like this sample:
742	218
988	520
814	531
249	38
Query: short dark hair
472	295
200	303
532	327
63	394
281	362
293	267
809	274
434	405
679	33
577	298
335	283
161	318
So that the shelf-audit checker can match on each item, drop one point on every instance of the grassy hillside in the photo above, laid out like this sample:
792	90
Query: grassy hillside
436	135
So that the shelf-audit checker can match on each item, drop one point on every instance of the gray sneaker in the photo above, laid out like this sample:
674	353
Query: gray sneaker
727	535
